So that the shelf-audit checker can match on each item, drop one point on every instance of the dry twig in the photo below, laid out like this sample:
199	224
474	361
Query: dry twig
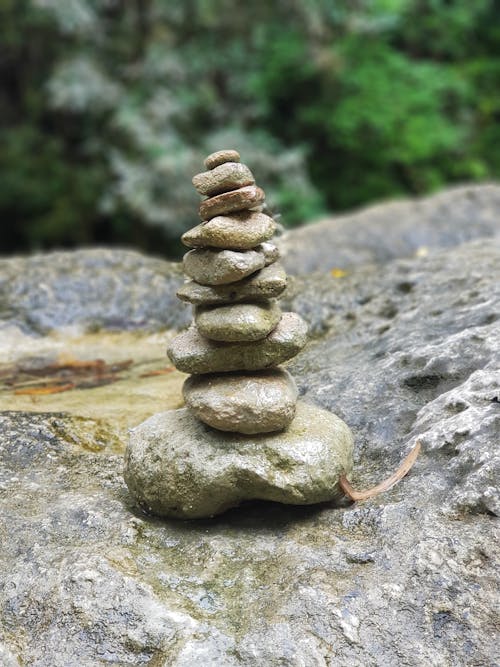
386	484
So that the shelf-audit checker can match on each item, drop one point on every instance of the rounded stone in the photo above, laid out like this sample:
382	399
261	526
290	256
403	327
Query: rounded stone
191	352
265	284
176	466
215	159
239	322
270	251
260	402
225	177
229	202
239	231
219	267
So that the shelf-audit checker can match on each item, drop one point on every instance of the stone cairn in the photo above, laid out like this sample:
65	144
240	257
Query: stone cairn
239	335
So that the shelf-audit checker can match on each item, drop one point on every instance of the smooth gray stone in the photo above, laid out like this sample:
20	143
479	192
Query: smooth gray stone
224	177
219	157
238	231
220	267
265	284
191	352
239	322
257	402
175	466
228	202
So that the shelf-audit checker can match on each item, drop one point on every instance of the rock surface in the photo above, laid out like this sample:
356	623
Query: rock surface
265	284
88	290
237	322
178	467
404	350
192	353
394	229
260	402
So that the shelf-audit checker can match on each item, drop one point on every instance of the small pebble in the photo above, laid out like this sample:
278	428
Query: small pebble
227	176
261	402
239	322
219	157
267	283
239	231
229	202
218	267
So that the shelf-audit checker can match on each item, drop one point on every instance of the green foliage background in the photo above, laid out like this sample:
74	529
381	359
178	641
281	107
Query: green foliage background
109	106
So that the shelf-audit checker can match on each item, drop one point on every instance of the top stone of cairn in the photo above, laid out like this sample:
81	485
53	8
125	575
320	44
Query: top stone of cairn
219	157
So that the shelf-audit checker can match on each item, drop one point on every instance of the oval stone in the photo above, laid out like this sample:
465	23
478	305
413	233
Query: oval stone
261	402
237	322
229	202
239	231
191	352
218	267
227	176
265	284
219	157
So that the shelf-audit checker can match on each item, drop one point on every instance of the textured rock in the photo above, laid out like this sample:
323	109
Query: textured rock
394	229
219	157
176	466
224	177
229	202
267	283
260	402
408	578
192	353
240	231
237	322
88	290
219	267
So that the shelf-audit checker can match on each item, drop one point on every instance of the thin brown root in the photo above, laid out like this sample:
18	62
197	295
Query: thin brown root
386	484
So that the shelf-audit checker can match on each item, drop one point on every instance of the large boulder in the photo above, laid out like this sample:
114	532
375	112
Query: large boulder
394	229
88	290
402	351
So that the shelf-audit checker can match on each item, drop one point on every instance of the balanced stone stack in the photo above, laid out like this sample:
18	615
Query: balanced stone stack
239	335
263	444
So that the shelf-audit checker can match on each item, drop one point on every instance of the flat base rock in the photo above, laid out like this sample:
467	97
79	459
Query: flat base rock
176	466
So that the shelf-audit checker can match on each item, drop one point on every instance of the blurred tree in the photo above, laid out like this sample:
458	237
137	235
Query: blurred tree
108	107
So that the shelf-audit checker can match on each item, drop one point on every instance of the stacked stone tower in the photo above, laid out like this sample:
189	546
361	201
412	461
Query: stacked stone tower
239	335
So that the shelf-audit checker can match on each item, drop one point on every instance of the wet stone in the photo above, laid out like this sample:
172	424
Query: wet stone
265	284
239	231
237	322
191	352
219	157
176	466
260	402
229	202
219	267
225	177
